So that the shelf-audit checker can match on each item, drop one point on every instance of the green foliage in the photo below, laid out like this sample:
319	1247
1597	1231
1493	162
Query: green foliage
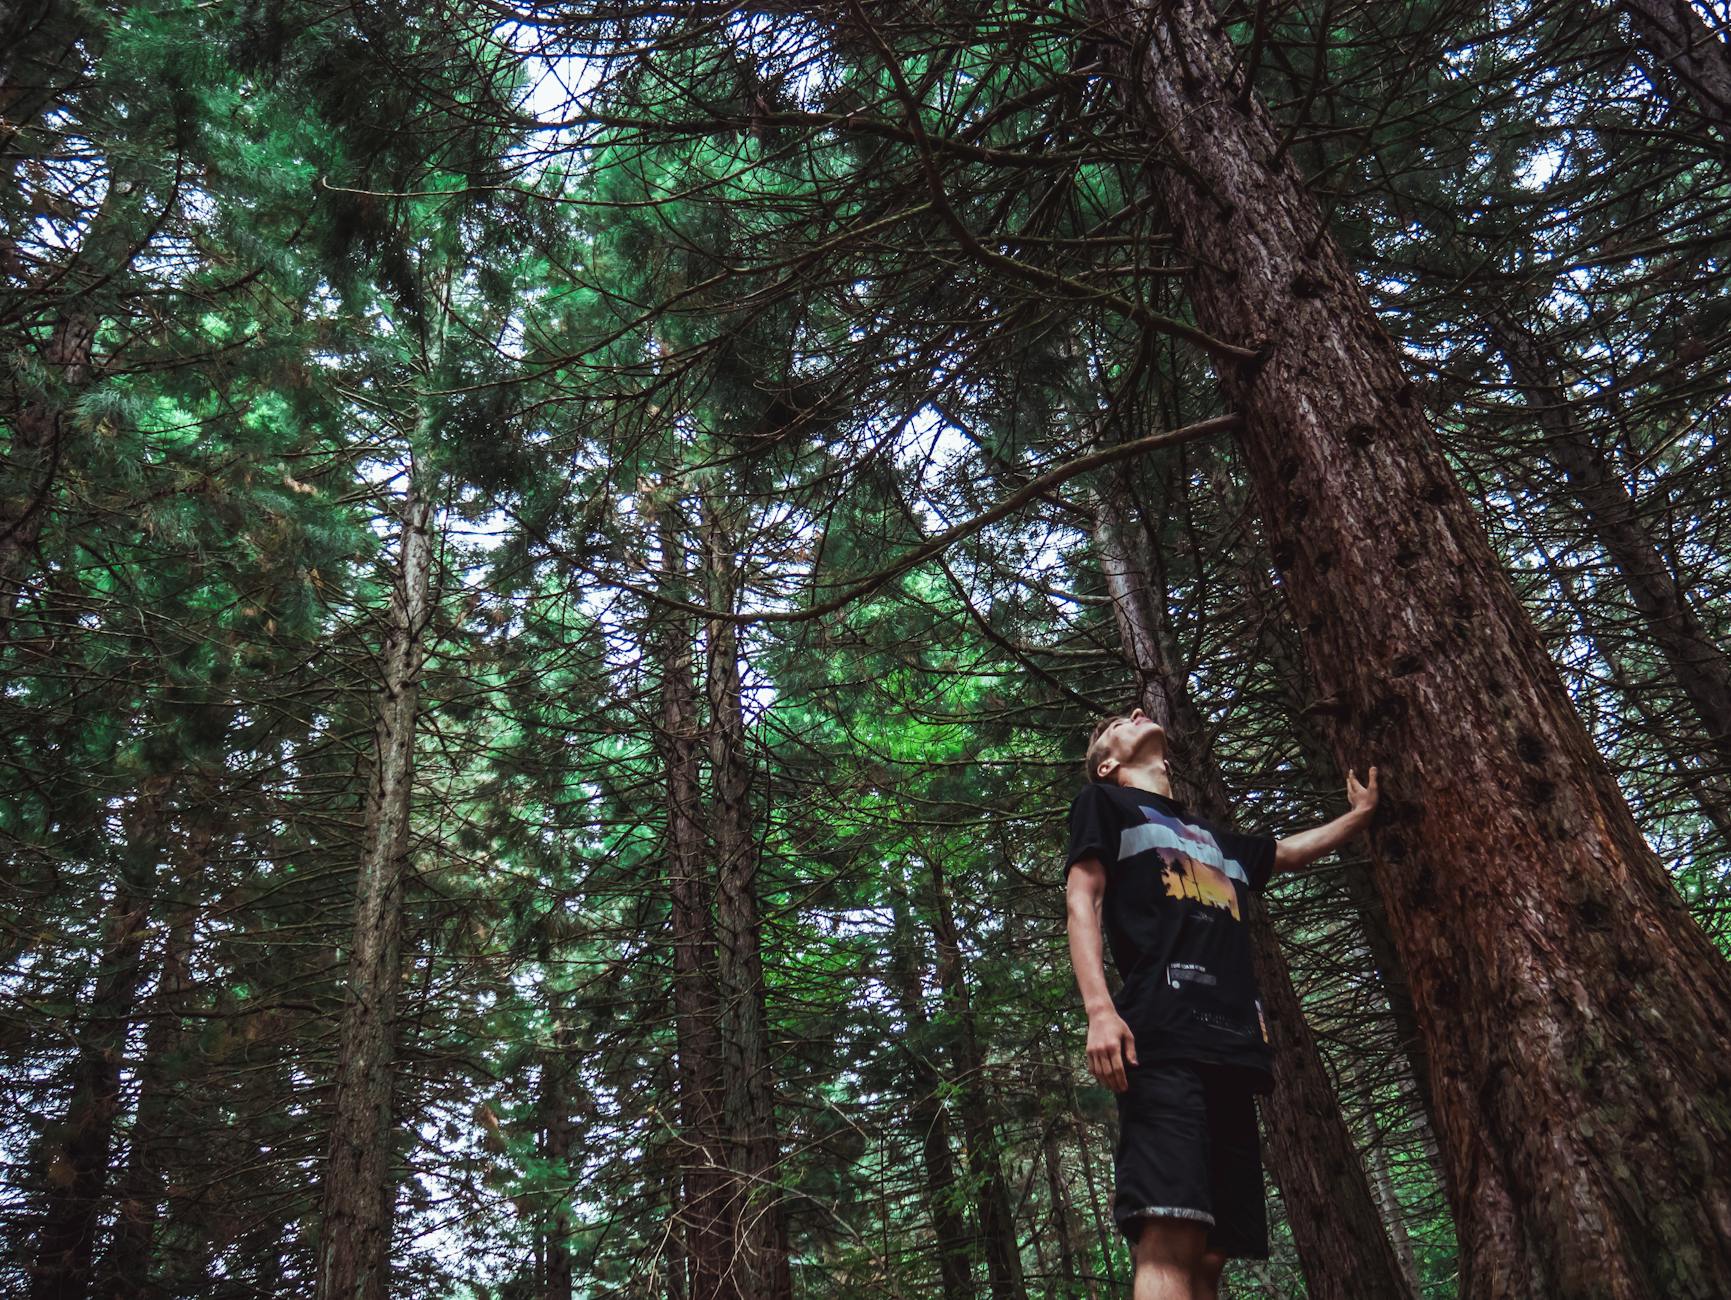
831	289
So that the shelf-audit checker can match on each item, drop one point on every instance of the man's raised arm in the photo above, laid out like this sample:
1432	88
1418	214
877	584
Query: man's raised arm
1109	1038
1306	846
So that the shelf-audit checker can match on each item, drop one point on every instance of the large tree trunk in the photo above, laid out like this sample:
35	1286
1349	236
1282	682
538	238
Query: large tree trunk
931	1118
707	1233
760	1262
75	1164
1342	1245
359	1193
979	1109
1697	661
1291	678
1576	1018
1677	34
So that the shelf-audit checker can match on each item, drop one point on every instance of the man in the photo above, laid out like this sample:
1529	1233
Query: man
1184	1045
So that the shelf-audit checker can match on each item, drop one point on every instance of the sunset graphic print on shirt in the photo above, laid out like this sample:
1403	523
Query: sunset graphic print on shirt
1191	861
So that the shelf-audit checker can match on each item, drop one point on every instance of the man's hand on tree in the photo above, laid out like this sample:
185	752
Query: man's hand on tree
1109	1042
1361	798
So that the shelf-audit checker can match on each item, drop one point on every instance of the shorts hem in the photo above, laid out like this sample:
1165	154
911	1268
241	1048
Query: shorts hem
1168	1212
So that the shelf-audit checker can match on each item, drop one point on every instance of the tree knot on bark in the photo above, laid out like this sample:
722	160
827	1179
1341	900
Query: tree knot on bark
1251	366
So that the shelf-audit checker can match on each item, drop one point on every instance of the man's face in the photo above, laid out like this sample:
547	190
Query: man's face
1131	738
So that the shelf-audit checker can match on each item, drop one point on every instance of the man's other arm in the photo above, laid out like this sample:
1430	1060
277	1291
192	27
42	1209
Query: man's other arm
1109	1038
1307	846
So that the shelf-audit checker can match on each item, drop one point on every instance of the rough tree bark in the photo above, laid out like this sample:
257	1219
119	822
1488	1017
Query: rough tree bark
76	1153
759	1261
1336	1225
1697	661
979	1109
931	1118
359	1191
1677	34
707	1231
1291	678
1575	1016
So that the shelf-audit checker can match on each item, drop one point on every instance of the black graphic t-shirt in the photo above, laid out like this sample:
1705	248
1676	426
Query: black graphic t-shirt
1177	923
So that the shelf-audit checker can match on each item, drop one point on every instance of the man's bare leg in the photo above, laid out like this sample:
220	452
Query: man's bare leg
1168	1259
1206	1282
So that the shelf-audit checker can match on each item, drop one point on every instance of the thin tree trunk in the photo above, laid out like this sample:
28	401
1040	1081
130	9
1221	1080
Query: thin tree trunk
1697	661
556	1125
112	239
38	441
949	1227
128	1266
760	1244
1342	1245
1064	1227
1376	1161
985	1156
706	1179
1574	1014
75	1175
1105	1229
44	44
1709	795
359	1193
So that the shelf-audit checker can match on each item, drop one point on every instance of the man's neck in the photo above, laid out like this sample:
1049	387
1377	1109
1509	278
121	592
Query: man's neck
1146	776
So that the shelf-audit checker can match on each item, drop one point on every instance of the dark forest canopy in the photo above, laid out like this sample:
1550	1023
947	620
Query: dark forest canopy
557	563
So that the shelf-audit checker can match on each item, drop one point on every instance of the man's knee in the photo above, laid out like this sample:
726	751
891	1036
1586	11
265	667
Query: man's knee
1172	1243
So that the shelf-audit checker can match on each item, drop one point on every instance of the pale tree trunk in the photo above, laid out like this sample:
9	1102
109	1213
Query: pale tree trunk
979	1107
1575	1016
930	1117
127	1268
359	1190
1376	1161
75	1155
1697	661
706	1234
1676	33
1342	1245
760	1262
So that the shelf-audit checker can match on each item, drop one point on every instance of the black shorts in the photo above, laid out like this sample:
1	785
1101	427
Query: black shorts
1188	1149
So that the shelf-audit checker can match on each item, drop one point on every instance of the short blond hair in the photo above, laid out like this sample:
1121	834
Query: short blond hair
1097	749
